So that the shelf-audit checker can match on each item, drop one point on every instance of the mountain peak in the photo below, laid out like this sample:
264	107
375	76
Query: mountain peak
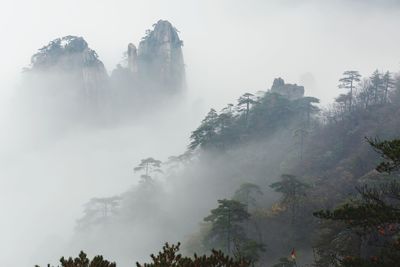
71	66
160	56
67	53
291	91
163	31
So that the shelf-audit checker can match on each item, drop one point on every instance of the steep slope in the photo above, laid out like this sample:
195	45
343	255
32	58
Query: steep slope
257	141
155	69
67	80
71	56
160	56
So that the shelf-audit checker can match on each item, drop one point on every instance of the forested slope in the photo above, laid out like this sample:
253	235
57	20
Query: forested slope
253	176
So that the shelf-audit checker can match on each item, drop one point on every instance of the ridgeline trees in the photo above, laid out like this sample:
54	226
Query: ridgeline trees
204	134
377	85
306	107
250	119
244	104
348	81
388	84
331	154
148	166
343	101
367	93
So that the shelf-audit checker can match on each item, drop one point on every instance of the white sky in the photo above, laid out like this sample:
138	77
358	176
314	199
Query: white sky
231	46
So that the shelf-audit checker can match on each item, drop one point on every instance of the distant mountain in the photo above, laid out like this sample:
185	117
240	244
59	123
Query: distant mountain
160	56
157	66
67	74
66	53
71	56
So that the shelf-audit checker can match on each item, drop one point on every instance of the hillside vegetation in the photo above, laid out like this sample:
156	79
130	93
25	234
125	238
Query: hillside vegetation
281	180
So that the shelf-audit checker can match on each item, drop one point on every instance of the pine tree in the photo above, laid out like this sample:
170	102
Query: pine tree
306	107
204	134
293	192
98	210
388	83
170	257
348	81
244	104
83	261
377	84
148	166
245	194
374	214
227	224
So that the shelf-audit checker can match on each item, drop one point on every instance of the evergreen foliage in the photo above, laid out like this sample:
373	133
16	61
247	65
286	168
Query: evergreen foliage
348	82
361	231
97	211
293	192
226	224
170	257
374	215
245	194
148	166
83	261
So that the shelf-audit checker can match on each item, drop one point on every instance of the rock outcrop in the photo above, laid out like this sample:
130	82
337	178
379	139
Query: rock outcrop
160	57
71	56
68	76
132	58
291	91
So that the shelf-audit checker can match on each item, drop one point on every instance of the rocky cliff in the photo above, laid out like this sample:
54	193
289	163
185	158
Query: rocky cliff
160	57
71	56
68	75
132	58
291	91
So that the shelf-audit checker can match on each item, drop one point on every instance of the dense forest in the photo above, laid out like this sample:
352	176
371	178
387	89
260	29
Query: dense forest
289	183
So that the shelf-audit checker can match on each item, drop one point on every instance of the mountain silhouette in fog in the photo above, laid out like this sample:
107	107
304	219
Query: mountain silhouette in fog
67	70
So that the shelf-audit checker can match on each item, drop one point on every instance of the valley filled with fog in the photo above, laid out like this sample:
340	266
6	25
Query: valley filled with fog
124	123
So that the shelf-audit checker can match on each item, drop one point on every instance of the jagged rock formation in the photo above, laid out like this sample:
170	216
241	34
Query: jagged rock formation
132	58
69	78
160	57
71	56
291	91
154	71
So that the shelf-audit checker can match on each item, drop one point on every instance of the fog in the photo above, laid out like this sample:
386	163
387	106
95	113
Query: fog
49	170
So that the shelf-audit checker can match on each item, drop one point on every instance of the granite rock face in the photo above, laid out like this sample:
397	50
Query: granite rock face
132	58
160	57
70	56
291	91
67	75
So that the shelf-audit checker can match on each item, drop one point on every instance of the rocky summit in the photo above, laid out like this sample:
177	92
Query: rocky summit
71	55
291	91
160	56
68	68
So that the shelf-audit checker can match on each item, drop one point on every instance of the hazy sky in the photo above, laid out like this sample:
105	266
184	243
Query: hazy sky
230	47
